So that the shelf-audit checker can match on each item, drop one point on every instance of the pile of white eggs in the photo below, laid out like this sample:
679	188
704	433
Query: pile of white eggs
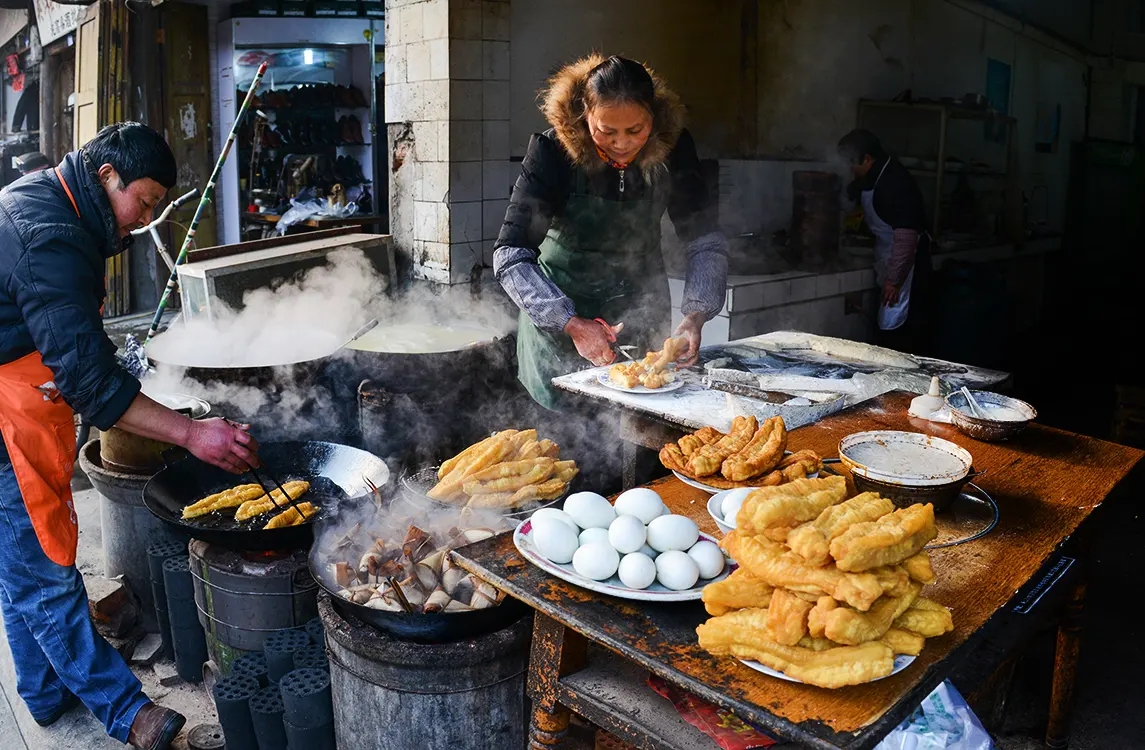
638	540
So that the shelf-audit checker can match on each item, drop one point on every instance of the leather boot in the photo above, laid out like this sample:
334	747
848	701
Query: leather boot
155	727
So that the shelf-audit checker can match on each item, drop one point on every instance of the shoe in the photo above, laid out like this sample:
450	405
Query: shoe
155	727
357	97
67	704
355	128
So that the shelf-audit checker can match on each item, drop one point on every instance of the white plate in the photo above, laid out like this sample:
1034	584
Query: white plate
902	661
522	537
708	488
602	378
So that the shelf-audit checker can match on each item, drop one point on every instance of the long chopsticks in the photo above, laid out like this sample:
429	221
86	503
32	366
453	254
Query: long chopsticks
270	494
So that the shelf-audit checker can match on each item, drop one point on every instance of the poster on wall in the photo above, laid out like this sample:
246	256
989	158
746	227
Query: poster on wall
55	20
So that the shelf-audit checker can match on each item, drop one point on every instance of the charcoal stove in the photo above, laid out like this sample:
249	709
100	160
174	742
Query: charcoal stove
244	597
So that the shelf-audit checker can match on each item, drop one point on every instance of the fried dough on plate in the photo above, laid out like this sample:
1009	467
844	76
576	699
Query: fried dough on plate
887	541
789	504
710	458
918	567
762	453
744	626
787	617
903	641
927	618
849	627
772	563
740	590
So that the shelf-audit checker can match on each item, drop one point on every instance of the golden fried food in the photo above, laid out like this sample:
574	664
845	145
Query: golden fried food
493	452
549	449
710	458
708	435
762	453
778	534
832	668
449	465
787	617
926	618
625	374
672	457
547	490
809	543
812	540
789	504
508	469
894	579
809	459
654	380
688	445
740	590
565	470
918	567
722	632
232	498
783	569
292	516
903	642
275	499
887	541
531	449
539	470
494	499
672	350
849	627
817	617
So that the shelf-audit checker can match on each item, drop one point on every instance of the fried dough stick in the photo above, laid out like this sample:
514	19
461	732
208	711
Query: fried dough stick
490	454
449	465
812	540
710	458
291	517
743	635
534	475
903	641
509	469
776	566
275	499
761	455
789	504
926	618
845	625
919	568
740	590
232	498
787	617
887	541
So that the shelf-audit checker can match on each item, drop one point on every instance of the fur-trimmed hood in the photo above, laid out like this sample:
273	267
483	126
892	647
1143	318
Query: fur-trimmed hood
562	103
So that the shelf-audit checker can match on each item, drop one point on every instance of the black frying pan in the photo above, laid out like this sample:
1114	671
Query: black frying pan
335	472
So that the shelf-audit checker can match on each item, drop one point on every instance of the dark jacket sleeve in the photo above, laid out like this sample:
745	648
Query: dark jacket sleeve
690	206
539	194
54	285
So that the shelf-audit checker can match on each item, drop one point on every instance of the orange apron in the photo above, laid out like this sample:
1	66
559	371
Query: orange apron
40	434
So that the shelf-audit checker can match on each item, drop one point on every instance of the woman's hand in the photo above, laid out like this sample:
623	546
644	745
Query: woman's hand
592	340
890	294
690	329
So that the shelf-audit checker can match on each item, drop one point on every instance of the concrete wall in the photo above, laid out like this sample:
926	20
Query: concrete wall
695	46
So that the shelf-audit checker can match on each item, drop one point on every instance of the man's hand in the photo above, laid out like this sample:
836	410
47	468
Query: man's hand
690	329
890	294
592	341
223	443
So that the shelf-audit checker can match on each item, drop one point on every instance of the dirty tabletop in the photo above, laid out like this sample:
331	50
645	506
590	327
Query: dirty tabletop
1046	483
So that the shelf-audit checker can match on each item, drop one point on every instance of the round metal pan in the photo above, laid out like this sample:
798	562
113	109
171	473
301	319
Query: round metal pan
434	627
336	472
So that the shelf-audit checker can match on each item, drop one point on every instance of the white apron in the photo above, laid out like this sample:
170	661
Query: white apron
890	316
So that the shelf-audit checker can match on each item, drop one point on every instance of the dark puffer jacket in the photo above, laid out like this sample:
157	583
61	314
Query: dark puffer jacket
52	287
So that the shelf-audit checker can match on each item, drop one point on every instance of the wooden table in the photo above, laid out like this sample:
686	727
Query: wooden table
591	652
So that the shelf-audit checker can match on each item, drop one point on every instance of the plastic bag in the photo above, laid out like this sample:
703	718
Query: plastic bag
943	721
300	211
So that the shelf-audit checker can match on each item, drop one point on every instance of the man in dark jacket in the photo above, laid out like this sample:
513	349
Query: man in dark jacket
57	228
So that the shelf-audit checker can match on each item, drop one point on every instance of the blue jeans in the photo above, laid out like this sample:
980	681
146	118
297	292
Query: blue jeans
54	644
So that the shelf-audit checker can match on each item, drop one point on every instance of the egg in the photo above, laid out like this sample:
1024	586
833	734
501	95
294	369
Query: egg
554	540
709	559
636	571
675	570
672	532
589	510
732	502
641	502
588	536
596	561
626	534
646	550
558	515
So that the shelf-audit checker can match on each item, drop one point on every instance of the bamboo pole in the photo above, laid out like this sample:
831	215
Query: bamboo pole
208	195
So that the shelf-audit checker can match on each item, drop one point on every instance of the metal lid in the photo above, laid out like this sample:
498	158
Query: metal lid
905	458
194	407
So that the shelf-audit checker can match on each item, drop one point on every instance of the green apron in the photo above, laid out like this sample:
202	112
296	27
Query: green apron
606	256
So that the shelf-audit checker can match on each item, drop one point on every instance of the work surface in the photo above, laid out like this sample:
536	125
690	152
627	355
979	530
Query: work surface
795	371
1046	483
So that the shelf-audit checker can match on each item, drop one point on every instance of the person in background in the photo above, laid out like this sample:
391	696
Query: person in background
893	210
57	229
581	237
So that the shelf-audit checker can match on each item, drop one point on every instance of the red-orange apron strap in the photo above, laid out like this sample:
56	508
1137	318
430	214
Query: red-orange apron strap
68	190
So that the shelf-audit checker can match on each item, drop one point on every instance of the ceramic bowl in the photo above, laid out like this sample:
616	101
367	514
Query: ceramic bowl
989	430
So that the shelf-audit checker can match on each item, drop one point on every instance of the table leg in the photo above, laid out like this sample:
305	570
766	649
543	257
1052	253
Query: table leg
1065	670
556	652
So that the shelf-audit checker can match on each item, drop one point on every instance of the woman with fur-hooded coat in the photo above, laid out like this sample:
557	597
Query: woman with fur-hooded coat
581	238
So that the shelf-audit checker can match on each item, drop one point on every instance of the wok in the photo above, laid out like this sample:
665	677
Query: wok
336	473
434	627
